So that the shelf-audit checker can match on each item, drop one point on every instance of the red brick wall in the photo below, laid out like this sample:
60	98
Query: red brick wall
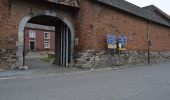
92	23
7	26
95	21
160	37
11	14
39	40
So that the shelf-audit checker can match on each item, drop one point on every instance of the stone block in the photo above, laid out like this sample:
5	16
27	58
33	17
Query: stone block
11	60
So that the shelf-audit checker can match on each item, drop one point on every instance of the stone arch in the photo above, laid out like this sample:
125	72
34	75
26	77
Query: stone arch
20	42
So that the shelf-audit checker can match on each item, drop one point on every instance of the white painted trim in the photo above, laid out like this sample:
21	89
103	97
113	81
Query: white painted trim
45	45
49	35
32	31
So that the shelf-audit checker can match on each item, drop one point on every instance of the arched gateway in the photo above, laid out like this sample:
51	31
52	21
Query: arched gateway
64	36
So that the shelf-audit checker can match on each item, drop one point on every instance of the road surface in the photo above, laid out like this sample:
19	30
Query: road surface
139	83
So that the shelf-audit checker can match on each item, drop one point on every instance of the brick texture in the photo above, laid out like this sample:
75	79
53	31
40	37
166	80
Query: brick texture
7	32
95	21
39	40
92	22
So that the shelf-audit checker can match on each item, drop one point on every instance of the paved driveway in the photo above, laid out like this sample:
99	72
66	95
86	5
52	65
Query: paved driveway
37	67
140	83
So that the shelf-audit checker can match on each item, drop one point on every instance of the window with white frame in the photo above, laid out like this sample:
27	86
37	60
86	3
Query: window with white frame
32	34
46	35
46	44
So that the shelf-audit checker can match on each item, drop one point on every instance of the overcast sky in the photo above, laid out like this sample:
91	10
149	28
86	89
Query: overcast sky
164	5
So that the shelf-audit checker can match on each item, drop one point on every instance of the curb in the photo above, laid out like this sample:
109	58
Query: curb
51	75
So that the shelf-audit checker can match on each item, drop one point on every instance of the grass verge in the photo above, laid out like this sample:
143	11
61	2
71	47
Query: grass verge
47	59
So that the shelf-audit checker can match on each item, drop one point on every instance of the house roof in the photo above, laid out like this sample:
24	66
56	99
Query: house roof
148	13
72	3
157	13
39	27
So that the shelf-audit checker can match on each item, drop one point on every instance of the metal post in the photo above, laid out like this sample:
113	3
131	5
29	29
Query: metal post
61	57
67	47
109	57
148	42
24	49
64	31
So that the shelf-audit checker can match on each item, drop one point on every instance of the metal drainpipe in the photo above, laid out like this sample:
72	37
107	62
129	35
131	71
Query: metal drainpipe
61	55
148	40
24	49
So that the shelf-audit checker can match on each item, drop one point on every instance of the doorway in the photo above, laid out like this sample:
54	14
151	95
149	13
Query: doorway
32	45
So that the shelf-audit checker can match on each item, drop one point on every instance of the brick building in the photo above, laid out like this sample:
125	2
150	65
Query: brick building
39	38
81	28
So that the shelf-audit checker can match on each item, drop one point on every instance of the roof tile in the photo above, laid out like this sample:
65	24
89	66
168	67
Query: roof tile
147	14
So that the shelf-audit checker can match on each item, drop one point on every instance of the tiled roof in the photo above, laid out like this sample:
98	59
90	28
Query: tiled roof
157	14
145	13
39	27
154	10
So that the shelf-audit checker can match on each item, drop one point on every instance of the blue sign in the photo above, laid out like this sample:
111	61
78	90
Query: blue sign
122	42
111	41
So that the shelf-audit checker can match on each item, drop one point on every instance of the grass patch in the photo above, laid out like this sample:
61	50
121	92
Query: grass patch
47	59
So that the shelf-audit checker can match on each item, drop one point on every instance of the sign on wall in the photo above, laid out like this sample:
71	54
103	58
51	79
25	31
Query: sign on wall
122	42
111	41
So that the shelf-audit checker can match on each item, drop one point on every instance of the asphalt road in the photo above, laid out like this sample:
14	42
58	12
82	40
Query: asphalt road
140	83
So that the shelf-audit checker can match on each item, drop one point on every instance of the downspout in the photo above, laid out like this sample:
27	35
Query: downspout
24	48
148	41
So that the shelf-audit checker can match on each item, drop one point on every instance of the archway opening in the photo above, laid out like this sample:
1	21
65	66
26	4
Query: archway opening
48	37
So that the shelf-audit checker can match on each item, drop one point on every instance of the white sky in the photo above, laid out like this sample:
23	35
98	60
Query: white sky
164	5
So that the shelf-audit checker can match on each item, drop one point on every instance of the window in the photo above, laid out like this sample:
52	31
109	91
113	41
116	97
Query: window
47	44
32	34
46	35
